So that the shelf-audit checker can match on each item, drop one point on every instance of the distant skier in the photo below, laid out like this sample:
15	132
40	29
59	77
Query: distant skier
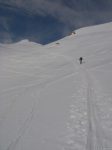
80	60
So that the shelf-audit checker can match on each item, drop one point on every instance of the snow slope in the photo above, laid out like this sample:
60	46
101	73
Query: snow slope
48	101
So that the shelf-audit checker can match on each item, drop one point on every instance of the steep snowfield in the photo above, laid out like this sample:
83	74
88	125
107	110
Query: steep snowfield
48	101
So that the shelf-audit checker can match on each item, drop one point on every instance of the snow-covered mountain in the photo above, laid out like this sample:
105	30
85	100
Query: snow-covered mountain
45	21
48	101
17	23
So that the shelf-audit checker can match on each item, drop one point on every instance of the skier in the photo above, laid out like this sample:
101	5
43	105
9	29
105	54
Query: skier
80	60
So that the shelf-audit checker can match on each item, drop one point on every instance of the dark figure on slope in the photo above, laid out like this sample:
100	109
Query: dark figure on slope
80	60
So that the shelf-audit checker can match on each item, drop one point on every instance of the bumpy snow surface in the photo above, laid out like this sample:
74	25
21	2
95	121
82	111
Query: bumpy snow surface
48	101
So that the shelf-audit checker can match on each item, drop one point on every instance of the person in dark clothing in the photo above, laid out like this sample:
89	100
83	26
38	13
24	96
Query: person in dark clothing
80	60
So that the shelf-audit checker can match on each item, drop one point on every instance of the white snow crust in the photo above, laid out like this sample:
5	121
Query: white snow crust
48	101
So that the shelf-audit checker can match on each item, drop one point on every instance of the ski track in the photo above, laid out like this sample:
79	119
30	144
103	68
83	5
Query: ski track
85	97
77	122
28	120
96	137
83	113
89	122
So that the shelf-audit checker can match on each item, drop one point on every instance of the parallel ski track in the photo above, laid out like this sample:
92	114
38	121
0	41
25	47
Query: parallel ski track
95	133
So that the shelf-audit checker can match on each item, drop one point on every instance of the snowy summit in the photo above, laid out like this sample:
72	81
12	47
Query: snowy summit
49	101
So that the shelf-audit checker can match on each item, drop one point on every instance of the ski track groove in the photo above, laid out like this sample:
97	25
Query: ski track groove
24	127
48	82
94	137
95	132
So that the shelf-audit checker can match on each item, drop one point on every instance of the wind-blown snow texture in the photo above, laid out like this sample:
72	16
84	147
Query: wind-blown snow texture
48	101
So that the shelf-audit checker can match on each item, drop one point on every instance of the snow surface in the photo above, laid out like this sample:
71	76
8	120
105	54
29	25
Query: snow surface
48	101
